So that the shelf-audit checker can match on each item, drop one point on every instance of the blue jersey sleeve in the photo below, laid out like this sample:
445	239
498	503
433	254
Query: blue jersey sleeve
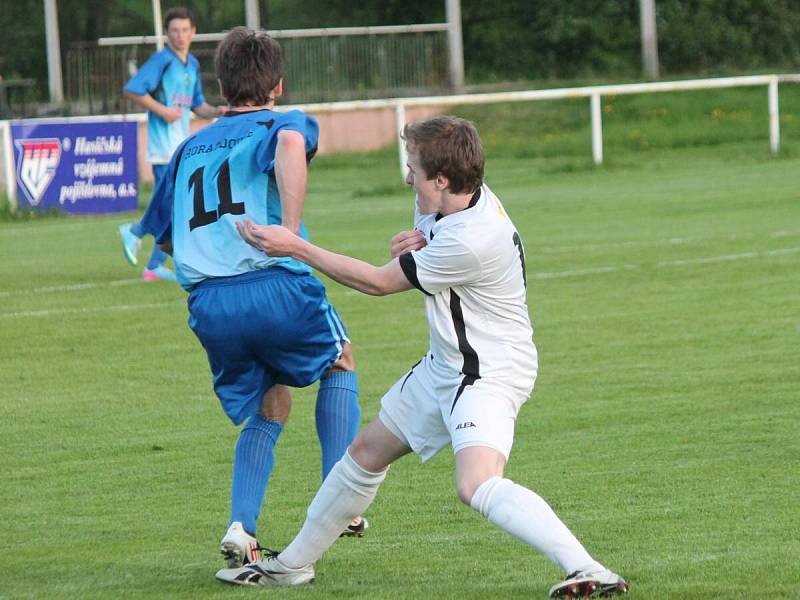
148	77
164	198
294	120
197	97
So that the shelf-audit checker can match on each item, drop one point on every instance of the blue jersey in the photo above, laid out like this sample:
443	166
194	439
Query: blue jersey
222	174
173	83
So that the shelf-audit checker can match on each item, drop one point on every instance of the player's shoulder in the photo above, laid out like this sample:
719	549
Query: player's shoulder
161	58
484	225
193	62
295	118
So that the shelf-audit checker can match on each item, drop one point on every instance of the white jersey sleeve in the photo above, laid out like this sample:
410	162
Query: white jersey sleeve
445	262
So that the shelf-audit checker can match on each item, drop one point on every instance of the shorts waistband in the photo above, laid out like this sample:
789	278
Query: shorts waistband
249	277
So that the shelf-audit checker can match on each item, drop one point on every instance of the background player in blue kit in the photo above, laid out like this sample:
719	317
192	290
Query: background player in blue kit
168	86
264	322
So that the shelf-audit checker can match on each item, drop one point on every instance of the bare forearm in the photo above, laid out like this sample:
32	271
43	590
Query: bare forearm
206	111
277	240
147	102
348	271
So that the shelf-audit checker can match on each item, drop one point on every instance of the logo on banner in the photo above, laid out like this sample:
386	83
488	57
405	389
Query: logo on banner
38	160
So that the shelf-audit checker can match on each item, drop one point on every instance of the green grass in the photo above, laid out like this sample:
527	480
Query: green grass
663	428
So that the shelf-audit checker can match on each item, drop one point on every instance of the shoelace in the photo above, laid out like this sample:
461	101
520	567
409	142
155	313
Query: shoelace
268	552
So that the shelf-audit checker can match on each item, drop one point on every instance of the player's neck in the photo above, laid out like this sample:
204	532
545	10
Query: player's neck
453	203
251	107
182	54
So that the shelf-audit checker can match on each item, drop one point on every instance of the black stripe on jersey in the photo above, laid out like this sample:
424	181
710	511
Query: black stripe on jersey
471	368
410	271
468	380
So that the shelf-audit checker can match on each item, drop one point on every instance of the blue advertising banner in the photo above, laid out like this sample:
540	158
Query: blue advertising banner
76	167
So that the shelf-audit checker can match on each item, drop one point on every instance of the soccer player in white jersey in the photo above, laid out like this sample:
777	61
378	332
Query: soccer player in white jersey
466	257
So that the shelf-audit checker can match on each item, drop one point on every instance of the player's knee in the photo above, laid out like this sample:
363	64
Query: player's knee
346	362
359	450
465	489
276	404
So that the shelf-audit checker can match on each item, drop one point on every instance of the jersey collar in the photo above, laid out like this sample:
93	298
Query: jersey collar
472	202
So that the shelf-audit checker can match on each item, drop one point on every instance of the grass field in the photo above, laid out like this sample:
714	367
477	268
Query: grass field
663	429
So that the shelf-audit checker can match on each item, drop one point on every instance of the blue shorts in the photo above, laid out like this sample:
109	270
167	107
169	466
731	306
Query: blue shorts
262	328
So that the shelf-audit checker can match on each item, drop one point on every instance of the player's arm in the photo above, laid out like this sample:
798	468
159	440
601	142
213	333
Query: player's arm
291	174
147	102
206	111
357	274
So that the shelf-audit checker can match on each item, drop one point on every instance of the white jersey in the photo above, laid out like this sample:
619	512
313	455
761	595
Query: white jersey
473	275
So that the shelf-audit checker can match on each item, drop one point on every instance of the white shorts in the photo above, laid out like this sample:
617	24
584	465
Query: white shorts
424	410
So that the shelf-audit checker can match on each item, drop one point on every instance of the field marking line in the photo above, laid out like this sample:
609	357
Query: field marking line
86	310
668	263
76	287
674	241
72	287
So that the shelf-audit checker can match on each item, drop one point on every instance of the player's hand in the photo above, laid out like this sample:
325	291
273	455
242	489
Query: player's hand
171	113
407	241
275	240
221	110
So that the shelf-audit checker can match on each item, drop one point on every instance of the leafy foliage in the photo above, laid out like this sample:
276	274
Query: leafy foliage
514	39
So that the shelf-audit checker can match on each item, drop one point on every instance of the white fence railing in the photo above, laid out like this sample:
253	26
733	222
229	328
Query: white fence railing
594	93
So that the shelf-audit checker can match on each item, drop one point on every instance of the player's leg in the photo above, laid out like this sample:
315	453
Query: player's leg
132	233
338	417
337	412
253	461
247	394
516	509
483	432
155	268
347	492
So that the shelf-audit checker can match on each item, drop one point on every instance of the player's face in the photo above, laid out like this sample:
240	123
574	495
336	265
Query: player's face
180	34
429	194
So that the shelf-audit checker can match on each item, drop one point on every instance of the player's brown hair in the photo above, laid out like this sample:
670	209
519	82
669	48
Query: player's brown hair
178	12
450	146
249	65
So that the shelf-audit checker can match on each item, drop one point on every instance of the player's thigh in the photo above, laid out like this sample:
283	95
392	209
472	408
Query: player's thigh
376	447
310	338
221	323
410	410
484	415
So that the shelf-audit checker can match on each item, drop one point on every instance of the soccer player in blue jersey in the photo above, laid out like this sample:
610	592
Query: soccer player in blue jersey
168	86
264	322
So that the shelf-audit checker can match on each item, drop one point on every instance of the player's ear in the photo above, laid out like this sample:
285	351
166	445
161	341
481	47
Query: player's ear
442	182
276	93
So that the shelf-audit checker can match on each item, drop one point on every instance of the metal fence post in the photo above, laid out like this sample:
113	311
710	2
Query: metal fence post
400	120
597	129
8	164
774	116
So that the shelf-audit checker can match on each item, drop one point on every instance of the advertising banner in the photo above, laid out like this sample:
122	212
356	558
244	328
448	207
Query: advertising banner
77	167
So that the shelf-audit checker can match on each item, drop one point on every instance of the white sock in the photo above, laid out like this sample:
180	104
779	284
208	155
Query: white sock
346	493
526	516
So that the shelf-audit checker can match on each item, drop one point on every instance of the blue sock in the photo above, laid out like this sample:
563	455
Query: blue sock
338	416
137	229
252	464
156	258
